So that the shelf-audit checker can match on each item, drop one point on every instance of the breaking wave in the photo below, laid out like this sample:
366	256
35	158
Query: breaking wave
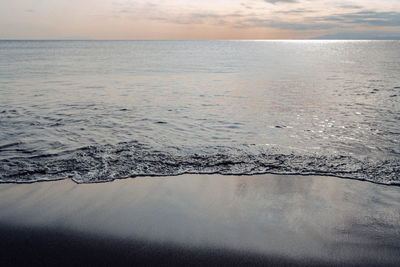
93	164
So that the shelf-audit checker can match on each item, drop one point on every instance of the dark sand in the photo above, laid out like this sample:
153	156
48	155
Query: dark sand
201	220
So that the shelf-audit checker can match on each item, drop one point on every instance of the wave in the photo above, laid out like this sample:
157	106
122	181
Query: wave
104	163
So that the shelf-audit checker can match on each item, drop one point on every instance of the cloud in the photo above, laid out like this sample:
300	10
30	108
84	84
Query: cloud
247	6
298	17
345	6
284	25
205	15
152	4
283	17
198	18
367	18
297	11
280	1
337	21
302	26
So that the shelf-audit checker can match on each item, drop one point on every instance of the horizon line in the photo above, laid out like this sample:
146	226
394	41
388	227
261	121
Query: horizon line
308	39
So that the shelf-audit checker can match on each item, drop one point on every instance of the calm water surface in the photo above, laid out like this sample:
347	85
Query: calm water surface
101	110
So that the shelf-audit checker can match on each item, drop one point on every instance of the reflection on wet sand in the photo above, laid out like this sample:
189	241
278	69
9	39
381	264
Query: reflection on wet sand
320	218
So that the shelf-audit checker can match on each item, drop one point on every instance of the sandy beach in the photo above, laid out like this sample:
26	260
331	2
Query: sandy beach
201	220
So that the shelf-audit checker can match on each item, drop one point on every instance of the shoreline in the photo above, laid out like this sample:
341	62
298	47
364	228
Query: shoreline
393	183
201	220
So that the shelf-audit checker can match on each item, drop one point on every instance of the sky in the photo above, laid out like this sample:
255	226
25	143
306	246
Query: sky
199	19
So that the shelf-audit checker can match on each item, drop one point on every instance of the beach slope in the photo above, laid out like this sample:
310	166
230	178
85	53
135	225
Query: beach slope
201	220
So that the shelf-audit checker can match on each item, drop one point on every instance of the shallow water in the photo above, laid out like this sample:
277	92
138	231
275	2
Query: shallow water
101	110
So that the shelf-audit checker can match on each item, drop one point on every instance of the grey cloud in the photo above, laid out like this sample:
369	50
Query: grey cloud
152	4
197	18
220	22
296	11
246	6
205	15
351	6
340	21
367	18
302	26
285	25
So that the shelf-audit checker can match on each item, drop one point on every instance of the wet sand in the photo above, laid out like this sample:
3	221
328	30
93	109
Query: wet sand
201	220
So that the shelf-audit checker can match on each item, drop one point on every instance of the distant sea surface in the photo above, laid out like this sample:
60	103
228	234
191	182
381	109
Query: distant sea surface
95	111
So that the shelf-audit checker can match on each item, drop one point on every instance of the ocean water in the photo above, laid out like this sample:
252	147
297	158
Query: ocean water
95	111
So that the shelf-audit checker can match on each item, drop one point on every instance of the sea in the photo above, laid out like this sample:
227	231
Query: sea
96	111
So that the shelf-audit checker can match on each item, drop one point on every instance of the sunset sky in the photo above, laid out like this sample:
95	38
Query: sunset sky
201	19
